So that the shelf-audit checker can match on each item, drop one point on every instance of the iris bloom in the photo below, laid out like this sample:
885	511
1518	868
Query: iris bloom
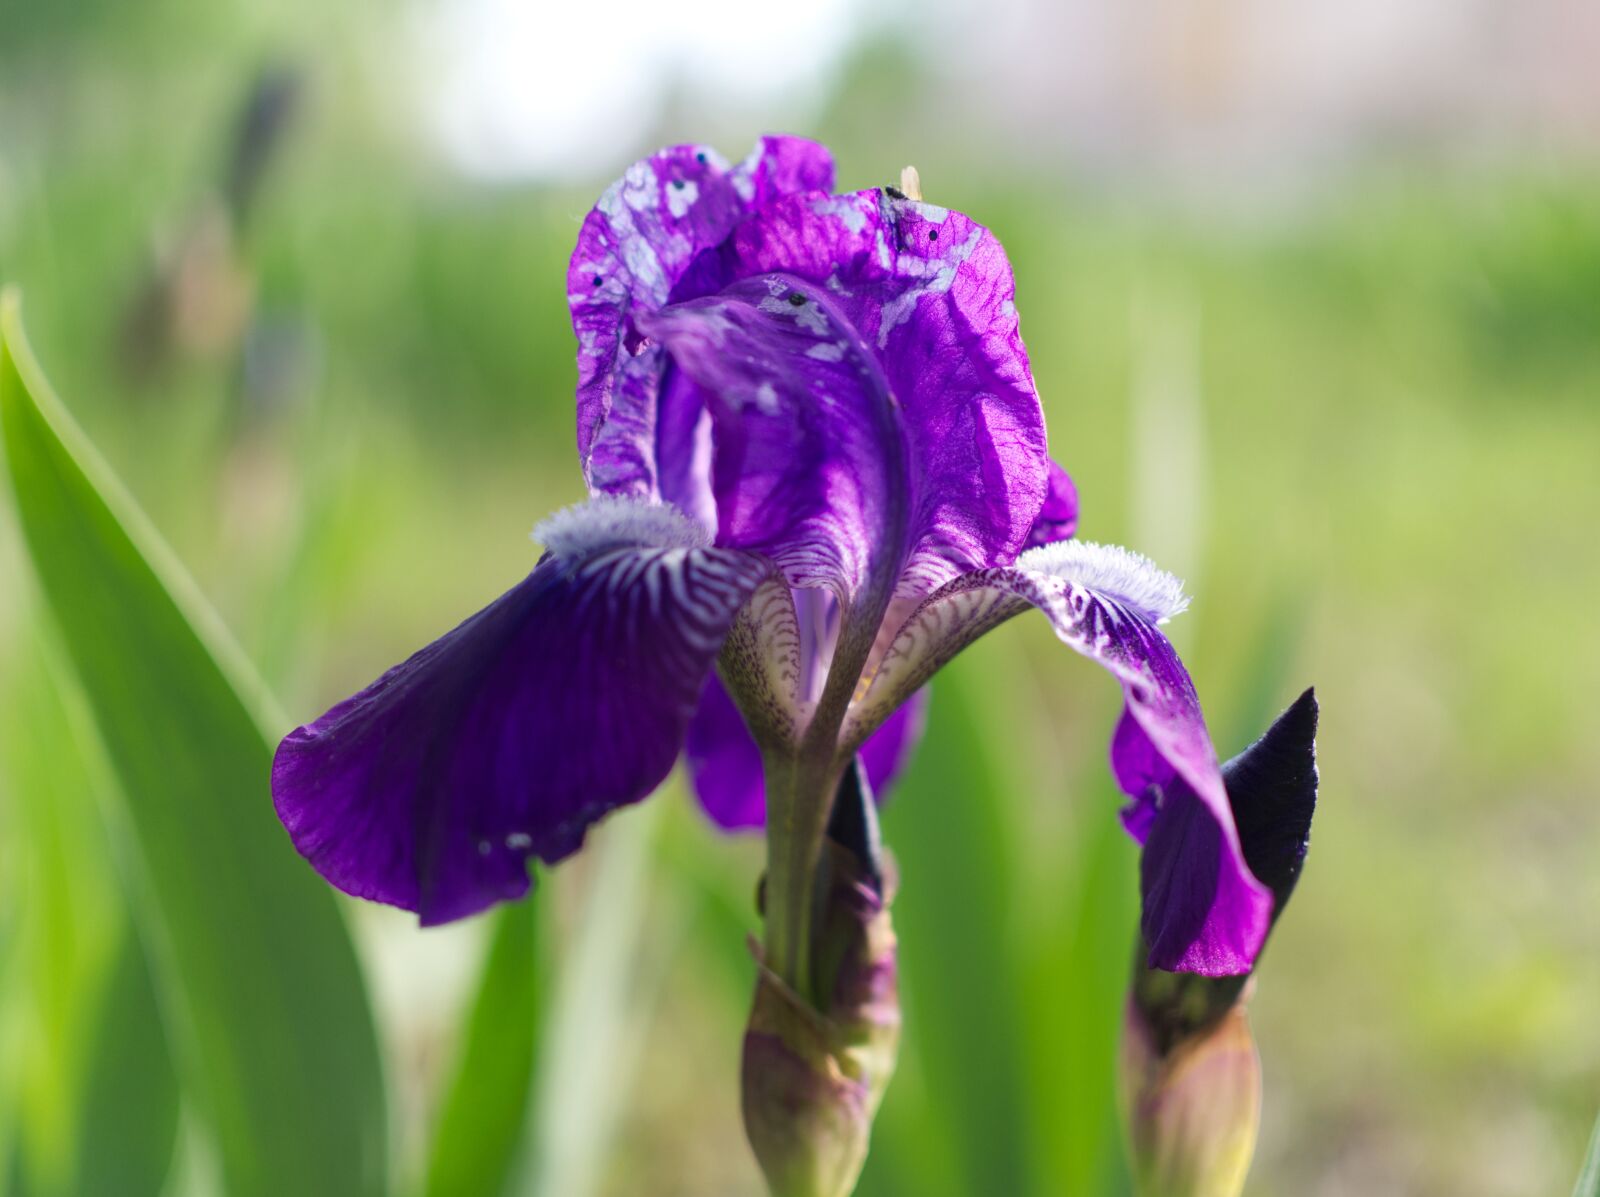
818	470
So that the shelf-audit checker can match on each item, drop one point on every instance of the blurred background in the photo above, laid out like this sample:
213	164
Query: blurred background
1313	298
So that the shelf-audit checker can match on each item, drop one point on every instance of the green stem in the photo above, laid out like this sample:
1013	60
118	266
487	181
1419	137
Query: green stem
799	798
800	789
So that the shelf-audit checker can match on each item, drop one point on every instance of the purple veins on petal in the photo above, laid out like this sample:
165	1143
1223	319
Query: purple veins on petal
810	465
1204	911
509	736
939	314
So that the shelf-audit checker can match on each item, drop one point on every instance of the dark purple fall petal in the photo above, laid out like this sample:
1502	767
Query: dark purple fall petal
1204	912
725	764
930	293
508	737
1058	518
632	248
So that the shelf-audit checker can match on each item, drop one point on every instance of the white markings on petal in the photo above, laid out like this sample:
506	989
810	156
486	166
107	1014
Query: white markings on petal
613	523
831	351
767	399
844	209
681	196
939	275
1130	578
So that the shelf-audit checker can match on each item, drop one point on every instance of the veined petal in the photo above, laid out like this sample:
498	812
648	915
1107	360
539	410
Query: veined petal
930	293
632	249
1204	910
725	764
506	738
810	467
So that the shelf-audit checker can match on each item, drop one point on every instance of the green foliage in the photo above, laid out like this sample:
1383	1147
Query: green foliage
480	1127
256	969
1589	1180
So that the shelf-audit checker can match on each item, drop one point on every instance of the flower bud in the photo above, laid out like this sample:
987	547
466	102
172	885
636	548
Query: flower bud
1190	1078
1192	1110
815	1071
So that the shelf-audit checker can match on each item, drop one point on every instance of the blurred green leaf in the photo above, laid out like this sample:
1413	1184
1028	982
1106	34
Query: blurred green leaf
1589	1179
480	1127
129	1123
267	1003
948	831
1079	980
99	1098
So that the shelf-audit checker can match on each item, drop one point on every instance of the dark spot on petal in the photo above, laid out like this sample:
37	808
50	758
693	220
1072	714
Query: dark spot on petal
797	299
677	184
598	280
700	157
933	234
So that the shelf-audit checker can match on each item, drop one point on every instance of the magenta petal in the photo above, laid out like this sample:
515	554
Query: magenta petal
725	764
1204	911
930	293
810	468
508	737
632	248
1058	518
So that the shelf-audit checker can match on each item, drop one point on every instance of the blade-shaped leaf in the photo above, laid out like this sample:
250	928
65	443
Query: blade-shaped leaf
947	826
129	1123
252	958
480	1127
97	1107
1589	1179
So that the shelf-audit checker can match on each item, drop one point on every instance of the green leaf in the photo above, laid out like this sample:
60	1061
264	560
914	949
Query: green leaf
1589	1178
948	828
97	1100
480	1128
253	962
129	1122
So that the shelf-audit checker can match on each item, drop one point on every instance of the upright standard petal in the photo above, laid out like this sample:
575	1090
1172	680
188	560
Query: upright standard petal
725	764
930	293
1204	911
508	737
632	248
810	467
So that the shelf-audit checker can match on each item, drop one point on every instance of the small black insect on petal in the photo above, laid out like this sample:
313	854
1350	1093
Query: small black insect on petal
598	280
894	193
933	234
797	299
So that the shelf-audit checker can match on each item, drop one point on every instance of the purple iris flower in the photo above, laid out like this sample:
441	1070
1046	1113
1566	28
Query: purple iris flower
818	470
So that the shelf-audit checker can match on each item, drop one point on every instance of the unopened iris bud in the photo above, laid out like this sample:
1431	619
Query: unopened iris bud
815	1067
1190	1075
1192	1109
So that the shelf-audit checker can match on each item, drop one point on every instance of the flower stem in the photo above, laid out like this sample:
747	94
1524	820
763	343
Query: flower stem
800	790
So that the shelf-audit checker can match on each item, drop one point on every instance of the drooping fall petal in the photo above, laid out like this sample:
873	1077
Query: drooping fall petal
1204	911
510	735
